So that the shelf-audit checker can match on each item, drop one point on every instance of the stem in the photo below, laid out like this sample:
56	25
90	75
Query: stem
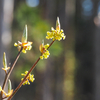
4	97
11	68
50	44
20	84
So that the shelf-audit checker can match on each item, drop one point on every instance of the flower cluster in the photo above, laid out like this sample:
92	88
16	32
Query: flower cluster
56	34
44	52
29	78
24	44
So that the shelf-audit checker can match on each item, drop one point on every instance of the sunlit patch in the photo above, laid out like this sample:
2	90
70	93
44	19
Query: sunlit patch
87	6
32	3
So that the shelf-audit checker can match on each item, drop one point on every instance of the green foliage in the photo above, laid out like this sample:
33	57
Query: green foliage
21	68
56	48
37	27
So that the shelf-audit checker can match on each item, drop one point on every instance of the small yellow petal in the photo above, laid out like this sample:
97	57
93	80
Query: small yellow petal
5	69
26	72
0	88
10	93
41	57
24	51
15	44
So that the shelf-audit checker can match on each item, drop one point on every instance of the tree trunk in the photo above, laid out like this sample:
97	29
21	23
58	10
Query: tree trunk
85	52
97	52
6	16
1	45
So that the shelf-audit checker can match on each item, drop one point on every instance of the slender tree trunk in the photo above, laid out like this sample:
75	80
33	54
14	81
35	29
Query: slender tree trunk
97	53
6	12
1	45
86	62
97	64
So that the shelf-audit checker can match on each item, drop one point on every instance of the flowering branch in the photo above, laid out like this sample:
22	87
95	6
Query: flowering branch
21	83
23	46
11	68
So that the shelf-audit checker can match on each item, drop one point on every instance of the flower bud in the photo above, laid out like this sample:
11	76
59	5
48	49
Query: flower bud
4	60
9	86
58	24
24	36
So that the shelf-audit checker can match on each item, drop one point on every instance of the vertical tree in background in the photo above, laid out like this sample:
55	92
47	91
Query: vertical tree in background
85	12
63	84
1	46
6	15
97	49
84	50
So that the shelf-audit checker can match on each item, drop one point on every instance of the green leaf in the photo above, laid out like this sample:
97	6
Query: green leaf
4	60
9	86
58	24
24	36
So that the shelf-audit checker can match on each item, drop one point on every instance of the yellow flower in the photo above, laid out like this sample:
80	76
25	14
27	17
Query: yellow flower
26	45
56	34
29	78
0	88
44	52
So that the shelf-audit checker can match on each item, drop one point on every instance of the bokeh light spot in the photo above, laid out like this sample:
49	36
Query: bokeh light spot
87	6
32	3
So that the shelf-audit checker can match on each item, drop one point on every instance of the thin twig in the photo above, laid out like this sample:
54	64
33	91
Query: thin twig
23	79
50	44
11	68
20	84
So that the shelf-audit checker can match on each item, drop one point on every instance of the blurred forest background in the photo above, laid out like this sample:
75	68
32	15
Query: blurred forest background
72	72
